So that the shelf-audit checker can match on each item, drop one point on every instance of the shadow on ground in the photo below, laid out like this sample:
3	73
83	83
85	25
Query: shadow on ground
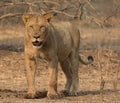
14	44
42	94
7	93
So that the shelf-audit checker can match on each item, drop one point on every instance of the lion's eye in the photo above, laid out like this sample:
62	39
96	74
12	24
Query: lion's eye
42	28
31	26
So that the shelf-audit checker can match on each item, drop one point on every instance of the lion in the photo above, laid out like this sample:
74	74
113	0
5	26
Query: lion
54	42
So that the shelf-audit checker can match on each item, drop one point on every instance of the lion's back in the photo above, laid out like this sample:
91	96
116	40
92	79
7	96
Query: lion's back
67	38
68	32
62	26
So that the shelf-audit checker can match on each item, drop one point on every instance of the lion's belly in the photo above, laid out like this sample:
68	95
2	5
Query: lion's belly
65	46
63	54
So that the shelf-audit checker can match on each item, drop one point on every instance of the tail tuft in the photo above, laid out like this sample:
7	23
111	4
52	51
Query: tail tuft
90	58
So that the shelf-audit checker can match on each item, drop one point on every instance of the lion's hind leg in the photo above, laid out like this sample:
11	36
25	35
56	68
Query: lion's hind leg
75	78
66	67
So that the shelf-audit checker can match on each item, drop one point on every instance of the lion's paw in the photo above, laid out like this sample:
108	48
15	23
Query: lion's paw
64	92
41	94
74	94
30	96
54	96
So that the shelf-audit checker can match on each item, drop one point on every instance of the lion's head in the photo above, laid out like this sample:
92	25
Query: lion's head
37	28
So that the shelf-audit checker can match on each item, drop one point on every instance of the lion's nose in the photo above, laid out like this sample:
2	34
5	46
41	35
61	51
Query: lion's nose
36	36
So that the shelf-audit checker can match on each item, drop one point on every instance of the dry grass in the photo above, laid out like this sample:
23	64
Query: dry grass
99	82
106	66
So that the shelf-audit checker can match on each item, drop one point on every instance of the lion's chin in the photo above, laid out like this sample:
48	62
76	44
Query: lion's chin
37	43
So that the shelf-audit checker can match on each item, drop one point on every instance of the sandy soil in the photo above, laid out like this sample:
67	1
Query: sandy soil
13	83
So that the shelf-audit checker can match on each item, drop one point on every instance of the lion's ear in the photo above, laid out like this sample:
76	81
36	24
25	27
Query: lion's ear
26	17
48	17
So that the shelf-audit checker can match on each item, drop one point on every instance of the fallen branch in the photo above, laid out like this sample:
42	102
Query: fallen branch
88	2
46	1
16	3
60	12
52	11
29	3
10	15
115	12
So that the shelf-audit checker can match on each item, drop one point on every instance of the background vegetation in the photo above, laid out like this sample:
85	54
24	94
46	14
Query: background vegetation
99	24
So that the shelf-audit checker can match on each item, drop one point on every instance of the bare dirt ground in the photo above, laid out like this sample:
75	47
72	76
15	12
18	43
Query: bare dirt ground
106	65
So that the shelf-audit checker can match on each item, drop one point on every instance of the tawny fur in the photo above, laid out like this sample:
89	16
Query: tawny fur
60	43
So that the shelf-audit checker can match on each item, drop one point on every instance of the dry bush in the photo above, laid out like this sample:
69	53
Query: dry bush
88	10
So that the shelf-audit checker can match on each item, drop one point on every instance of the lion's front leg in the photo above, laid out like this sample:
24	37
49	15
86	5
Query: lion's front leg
53	75
30	74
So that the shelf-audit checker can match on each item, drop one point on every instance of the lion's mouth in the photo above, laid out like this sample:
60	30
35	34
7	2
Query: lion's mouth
37	43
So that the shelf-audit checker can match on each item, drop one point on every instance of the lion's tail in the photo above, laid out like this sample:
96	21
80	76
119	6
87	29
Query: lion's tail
90	60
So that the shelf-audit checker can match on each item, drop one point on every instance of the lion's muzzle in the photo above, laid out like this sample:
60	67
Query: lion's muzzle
36	36
37	43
